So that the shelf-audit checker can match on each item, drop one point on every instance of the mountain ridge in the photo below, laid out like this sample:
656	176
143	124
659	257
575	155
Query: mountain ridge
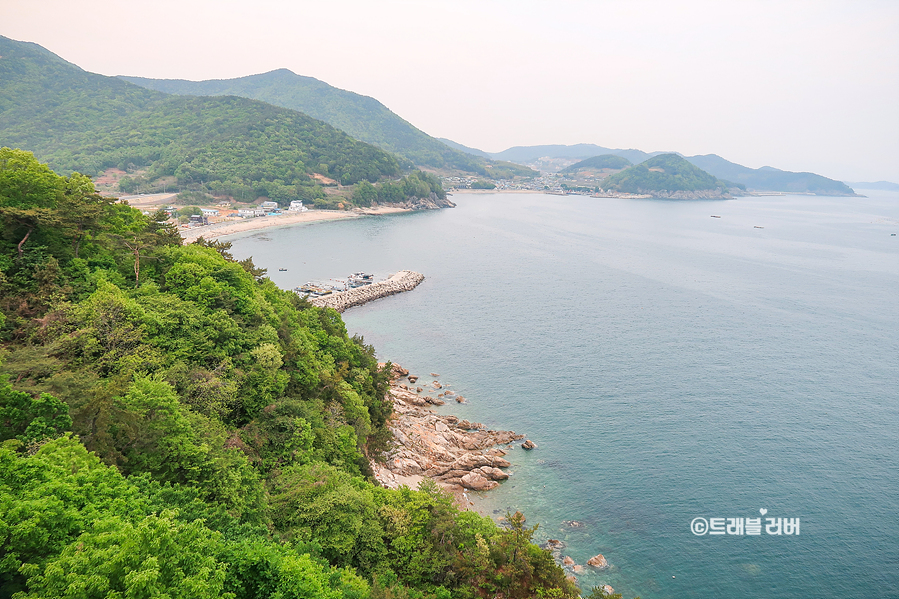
82	121
766	178
362	117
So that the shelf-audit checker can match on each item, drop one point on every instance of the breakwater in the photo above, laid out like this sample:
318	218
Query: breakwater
404	280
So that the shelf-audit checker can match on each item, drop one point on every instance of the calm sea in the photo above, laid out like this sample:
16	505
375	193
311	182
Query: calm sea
669	365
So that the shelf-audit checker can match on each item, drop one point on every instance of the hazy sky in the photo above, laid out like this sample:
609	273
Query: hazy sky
800	85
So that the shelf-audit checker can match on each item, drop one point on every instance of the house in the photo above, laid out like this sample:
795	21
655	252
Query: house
208	212
297	206
250	212
198	219
269	206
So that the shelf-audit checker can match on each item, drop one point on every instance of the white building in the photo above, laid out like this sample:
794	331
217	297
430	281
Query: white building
269	205
297	206
207	212
250	212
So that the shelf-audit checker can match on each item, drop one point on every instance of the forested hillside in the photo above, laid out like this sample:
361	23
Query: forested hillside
666	172
80	121
770	179
364	118
610	161
175	425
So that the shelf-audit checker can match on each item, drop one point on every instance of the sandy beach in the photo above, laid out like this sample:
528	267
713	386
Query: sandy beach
232	226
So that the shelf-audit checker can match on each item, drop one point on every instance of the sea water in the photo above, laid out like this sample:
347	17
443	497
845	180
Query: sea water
670	366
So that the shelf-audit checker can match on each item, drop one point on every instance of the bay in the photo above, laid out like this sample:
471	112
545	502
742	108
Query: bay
669	365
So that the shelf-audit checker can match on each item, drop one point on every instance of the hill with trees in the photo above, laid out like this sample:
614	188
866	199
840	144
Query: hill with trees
362	117
604	161
770	179
175	425
664	176
80	121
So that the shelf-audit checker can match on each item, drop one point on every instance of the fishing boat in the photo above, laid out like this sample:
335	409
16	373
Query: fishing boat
360	279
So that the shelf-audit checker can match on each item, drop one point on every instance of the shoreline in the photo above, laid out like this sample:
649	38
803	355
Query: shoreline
461	457
226	228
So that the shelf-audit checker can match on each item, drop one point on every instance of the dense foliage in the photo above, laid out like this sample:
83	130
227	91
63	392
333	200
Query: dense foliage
81	121
362	117
665	172
417	185
499	169
610	161
174	425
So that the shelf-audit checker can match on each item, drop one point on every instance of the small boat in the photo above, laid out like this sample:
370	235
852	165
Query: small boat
282	270
757	227
715	216
359	279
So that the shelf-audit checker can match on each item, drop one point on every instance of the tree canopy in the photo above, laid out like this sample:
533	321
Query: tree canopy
174	424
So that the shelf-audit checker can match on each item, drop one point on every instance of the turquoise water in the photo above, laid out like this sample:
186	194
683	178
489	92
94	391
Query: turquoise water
669	365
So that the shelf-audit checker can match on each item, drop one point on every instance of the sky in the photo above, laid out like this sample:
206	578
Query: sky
798	85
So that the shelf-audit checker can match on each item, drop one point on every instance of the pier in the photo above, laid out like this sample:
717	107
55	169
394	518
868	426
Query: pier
404	280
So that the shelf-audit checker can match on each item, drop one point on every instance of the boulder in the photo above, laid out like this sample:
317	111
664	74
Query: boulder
567	561
460	399
434	374
476	482
437	385
608	589
578	569
412	379
528	444
493	473
418	389
598	561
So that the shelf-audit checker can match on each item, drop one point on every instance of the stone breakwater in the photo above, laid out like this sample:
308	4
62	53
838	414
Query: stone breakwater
456	454
404	280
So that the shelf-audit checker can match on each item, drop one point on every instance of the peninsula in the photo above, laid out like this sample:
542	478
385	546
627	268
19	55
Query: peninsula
668	176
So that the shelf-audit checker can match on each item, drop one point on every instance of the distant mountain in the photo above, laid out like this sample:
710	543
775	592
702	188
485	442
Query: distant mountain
770	179
666	176
363	117
882	185
530	154
466	149
610	161
81	121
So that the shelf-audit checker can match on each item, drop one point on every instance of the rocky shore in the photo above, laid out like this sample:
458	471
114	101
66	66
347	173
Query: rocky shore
432	202
458	455
404	280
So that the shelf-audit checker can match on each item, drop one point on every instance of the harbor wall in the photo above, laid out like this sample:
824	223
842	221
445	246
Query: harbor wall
404	280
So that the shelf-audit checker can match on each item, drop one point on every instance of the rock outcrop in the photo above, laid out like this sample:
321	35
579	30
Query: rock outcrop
598	561
404	280
432	202
459	455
